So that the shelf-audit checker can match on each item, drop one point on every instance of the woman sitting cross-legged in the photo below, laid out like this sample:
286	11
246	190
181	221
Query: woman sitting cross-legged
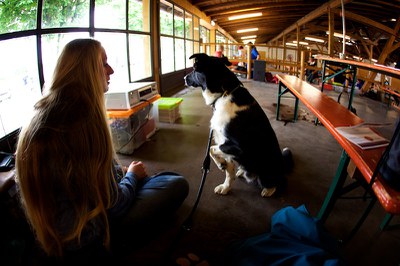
76	198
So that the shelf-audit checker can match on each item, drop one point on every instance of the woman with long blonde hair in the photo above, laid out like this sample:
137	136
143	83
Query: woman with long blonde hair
66	164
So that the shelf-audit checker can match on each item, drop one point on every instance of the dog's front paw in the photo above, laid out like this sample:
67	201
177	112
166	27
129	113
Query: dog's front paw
268	192
221	189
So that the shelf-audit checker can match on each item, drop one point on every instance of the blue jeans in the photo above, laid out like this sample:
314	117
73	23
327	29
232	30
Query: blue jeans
158	197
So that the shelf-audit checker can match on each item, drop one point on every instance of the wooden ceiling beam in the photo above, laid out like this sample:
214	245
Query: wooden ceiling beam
370	22
323	9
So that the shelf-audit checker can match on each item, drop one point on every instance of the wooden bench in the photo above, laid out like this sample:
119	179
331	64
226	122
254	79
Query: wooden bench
239	72
391	94
332	114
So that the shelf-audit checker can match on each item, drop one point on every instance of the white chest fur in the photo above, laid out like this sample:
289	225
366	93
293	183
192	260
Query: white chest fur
224	111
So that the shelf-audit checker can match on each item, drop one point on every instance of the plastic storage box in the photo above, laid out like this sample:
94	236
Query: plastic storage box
131	128
168	109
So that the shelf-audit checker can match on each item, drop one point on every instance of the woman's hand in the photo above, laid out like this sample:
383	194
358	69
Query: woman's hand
138	169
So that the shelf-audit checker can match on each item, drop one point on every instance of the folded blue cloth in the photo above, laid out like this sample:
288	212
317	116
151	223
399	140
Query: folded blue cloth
296	238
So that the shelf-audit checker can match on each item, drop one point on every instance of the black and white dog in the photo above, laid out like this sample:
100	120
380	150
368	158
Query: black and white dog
242	132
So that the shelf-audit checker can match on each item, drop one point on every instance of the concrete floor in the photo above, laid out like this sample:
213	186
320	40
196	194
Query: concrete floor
219	220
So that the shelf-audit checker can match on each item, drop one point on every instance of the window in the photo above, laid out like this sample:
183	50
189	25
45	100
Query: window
19	83
196	28
179	36
167	57
166	18
110	14
178	22
15	16
139	15
117	55
220	38
205	38
179	51
125	34
140	52
188	26
65	14
189	52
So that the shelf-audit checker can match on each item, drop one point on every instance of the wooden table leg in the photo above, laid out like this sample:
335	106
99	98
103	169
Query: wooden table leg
335	188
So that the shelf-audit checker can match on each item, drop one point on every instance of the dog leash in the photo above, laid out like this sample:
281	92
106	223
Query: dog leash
187	224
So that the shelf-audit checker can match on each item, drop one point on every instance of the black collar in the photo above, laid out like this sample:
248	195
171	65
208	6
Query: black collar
226	93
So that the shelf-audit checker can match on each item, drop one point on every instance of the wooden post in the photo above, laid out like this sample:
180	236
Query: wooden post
302	64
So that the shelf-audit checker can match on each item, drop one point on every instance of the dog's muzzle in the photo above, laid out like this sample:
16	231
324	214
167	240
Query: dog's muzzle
193	79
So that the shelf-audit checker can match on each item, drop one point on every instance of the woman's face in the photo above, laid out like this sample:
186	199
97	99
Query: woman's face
107	69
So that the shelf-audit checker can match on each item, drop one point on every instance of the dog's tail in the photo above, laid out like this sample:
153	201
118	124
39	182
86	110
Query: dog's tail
287	160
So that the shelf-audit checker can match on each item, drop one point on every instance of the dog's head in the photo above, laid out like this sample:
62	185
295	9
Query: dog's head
212	75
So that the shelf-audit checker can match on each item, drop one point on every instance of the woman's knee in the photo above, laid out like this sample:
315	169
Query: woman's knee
159	198
168	180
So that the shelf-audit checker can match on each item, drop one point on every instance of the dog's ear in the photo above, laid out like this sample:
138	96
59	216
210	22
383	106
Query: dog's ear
226	61
199	55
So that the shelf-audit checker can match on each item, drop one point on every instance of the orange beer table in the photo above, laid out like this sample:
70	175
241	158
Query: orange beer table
332	115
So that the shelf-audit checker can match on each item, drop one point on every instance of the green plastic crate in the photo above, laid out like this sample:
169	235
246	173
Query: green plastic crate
168	109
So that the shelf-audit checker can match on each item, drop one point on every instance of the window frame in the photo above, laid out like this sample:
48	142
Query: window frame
38	32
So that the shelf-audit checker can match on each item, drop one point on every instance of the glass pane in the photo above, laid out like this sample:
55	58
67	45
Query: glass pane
220	38
179	52
196	48
140	57
166	18
19	83
65	14
208	50
178	22
204	34
189	52
167	56
110	14
52	45
115	46
196	25
139	15
17	16
188	26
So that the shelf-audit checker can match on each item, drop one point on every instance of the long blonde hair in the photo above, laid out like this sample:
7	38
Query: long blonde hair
65	155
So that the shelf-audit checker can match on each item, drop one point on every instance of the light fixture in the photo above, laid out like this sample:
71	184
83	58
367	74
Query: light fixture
248	15
374	60
291	44
339	35
212	23
247	30
249	37
314	39
302	43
